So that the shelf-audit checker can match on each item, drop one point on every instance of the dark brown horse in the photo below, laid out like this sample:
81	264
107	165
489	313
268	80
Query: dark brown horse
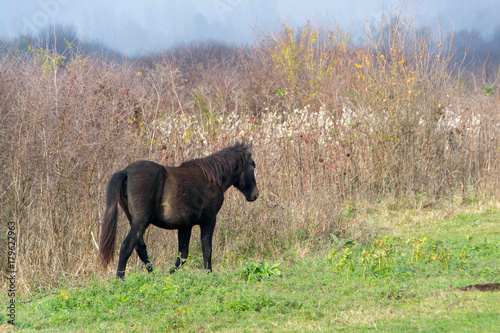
174	198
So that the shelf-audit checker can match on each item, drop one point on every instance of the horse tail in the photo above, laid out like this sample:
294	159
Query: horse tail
108	231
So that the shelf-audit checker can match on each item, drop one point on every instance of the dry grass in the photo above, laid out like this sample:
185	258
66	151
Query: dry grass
335	128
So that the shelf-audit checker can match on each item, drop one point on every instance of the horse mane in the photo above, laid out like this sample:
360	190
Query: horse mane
227	161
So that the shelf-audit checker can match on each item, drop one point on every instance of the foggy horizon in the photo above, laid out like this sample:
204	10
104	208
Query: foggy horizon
133	28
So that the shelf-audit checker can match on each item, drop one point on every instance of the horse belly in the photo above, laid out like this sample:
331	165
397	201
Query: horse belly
171	218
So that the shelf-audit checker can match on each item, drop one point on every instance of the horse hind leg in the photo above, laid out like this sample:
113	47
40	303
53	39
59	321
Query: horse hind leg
126	249
133	241
140	248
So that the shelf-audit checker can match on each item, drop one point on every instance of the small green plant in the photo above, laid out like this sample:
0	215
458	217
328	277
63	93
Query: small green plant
281	92
366	260
383	249
183	311
255	272
439	253
169	286
200	103
387	256
346	263
382	254
50	60
489	91
416	245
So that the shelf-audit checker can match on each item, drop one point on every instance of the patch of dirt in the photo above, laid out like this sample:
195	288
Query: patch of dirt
7	328
482	287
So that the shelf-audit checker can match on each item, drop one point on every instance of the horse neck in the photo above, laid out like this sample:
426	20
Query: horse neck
222	179
228	182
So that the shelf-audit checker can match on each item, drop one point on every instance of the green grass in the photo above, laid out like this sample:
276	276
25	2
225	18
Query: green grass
409	284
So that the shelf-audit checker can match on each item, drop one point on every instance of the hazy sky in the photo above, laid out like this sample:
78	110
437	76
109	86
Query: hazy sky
135	26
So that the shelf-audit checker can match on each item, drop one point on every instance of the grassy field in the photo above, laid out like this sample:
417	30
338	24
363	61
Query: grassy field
404	280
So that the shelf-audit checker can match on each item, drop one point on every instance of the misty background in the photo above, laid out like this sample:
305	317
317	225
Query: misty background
133	27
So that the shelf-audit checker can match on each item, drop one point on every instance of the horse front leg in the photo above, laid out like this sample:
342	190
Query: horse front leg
207	232
184	235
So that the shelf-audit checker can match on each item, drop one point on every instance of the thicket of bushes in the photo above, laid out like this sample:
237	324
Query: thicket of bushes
334	127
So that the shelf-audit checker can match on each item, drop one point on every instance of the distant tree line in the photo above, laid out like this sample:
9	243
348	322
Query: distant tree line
62	39
471	51
477	53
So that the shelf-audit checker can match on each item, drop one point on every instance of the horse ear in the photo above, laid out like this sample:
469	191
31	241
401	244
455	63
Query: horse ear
249	147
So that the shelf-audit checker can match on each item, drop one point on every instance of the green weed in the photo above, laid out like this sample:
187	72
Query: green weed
255	272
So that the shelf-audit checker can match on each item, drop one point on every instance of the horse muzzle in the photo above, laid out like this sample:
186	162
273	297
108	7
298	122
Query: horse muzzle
253	196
